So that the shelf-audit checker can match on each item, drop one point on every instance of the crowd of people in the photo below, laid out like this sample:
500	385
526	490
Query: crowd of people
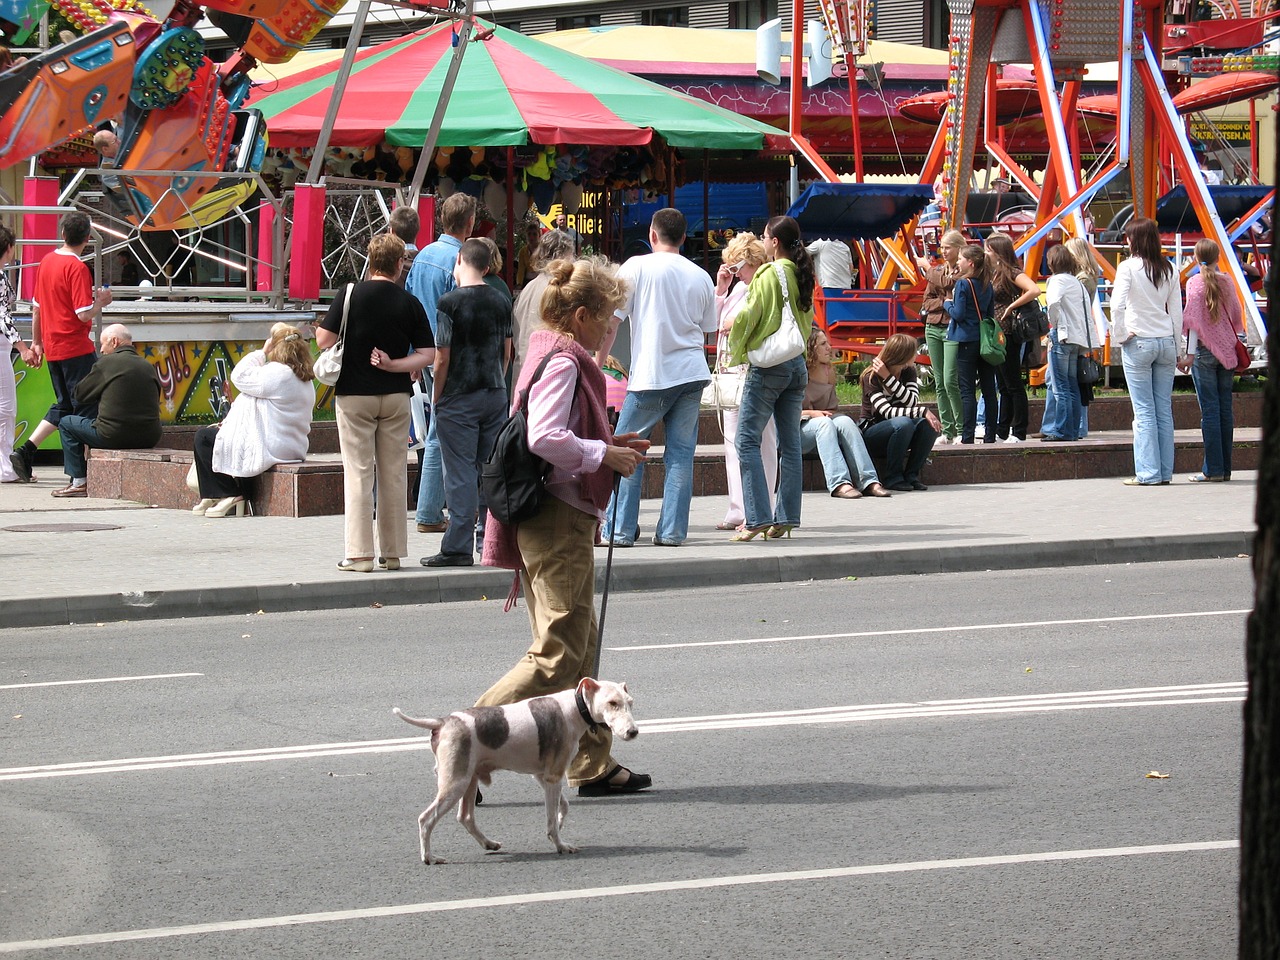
442	316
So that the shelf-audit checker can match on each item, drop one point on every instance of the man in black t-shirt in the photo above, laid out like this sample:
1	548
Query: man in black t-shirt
473	351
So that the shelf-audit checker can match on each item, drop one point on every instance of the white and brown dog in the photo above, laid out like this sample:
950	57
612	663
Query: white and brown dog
538	736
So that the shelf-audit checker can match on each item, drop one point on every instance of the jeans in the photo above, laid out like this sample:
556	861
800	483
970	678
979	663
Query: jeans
1148	373
776	392
677	408
971	370
76	432
1064	361
431	482
904	443
841	449
1013	394
942	356
469	425
1217	421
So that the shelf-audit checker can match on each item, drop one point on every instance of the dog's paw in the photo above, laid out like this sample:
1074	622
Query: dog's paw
492	845
429	860
565	848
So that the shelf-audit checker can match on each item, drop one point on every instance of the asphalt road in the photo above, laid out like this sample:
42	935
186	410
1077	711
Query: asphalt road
928	767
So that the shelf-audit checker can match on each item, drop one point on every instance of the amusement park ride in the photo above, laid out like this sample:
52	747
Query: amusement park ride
182	125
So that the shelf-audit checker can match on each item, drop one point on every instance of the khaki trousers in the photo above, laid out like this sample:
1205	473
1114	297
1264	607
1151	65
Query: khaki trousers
558	550
374	435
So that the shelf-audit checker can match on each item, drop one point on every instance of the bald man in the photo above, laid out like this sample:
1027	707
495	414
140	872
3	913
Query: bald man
126	390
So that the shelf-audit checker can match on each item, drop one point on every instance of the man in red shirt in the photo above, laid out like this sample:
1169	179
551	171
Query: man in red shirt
63	312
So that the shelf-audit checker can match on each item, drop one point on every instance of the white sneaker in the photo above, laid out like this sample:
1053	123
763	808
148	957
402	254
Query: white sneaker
979	432
1010	439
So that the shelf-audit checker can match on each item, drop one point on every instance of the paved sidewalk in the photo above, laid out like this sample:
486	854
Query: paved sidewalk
71	561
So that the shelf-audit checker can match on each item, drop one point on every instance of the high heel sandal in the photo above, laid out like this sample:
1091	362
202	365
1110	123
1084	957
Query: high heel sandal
779	530
746	533
231	505
200	508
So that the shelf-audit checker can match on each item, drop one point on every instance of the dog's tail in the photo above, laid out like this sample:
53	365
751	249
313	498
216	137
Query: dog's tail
426	724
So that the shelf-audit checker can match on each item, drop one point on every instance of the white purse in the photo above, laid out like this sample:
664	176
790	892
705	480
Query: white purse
787	341
724	392
328	366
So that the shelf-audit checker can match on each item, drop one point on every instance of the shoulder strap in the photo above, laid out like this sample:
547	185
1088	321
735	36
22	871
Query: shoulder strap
782	282
1088	319
346	307
537	375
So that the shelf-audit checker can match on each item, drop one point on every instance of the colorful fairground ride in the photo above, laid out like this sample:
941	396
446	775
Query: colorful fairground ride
133	122
1056	163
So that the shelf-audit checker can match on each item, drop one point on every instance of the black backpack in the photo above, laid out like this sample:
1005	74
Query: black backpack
512	480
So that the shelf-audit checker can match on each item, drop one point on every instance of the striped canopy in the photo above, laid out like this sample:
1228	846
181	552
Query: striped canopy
511	90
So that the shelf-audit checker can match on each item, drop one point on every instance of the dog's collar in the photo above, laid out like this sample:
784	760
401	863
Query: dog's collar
581	701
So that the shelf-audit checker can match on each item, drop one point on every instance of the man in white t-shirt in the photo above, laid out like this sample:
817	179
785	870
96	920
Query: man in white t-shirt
672	307
832	262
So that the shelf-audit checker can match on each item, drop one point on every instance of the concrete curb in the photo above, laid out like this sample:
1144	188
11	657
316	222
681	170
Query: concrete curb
756	564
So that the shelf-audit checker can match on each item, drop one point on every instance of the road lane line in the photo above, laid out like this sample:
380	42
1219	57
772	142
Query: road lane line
622	890
1185	695
72	683
921	630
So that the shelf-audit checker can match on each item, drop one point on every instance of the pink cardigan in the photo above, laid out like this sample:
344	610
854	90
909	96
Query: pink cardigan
1220	336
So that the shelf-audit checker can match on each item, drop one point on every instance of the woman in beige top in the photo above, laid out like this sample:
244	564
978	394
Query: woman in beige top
845	461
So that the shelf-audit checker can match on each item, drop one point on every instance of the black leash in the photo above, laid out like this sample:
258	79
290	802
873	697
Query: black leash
608	571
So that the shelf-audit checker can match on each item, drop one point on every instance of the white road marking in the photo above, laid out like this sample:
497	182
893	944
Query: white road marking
623	890
1185	695
920	630
72	683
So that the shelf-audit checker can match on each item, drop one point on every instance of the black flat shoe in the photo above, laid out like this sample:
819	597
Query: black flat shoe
903	487
917	485
449	560
606	786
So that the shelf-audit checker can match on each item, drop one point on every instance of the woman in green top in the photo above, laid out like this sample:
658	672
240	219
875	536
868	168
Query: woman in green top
775	391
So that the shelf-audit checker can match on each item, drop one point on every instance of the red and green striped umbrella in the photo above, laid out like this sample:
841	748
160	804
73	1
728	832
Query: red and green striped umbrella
511	90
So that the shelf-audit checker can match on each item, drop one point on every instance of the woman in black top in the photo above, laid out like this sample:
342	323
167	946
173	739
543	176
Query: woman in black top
387	340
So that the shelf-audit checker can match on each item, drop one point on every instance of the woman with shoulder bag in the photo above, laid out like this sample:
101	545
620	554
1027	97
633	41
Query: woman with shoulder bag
1212	321
774	322
387	339
742	256
972	299
1014	290
1146	321
554	551
1087	273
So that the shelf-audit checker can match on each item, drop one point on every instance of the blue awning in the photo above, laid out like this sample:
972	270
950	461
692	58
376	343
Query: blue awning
858	211
1174	212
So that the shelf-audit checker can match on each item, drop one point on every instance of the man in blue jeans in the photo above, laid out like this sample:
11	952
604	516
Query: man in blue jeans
430	278
672	307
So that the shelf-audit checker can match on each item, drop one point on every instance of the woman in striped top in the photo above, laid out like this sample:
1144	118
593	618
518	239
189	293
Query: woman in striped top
896	426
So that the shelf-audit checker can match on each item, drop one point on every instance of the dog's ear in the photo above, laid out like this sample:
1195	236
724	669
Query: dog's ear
624	687
587	686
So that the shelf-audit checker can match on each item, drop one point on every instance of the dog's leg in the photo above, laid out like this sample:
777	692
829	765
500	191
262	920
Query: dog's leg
557	807
454	775
467	817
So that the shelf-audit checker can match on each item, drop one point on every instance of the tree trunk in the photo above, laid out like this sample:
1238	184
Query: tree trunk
1260	799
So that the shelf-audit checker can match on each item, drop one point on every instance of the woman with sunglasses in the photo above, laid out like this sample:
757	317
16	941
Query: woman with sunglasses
742	256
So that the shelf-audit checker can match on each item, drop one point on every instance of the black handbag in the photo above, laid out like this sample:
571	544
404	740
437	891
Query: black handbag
1088	370
513	480
1029	322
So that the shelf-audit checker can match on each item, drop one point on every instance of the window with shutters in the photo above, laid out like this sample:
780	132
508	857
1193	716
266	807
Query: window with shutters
665	17
578	22
749	14
902	21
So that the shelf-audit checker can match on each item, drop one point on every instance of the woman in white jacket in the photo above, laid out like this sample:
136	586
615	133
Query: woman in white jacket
269	422
1068	304
1146	321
